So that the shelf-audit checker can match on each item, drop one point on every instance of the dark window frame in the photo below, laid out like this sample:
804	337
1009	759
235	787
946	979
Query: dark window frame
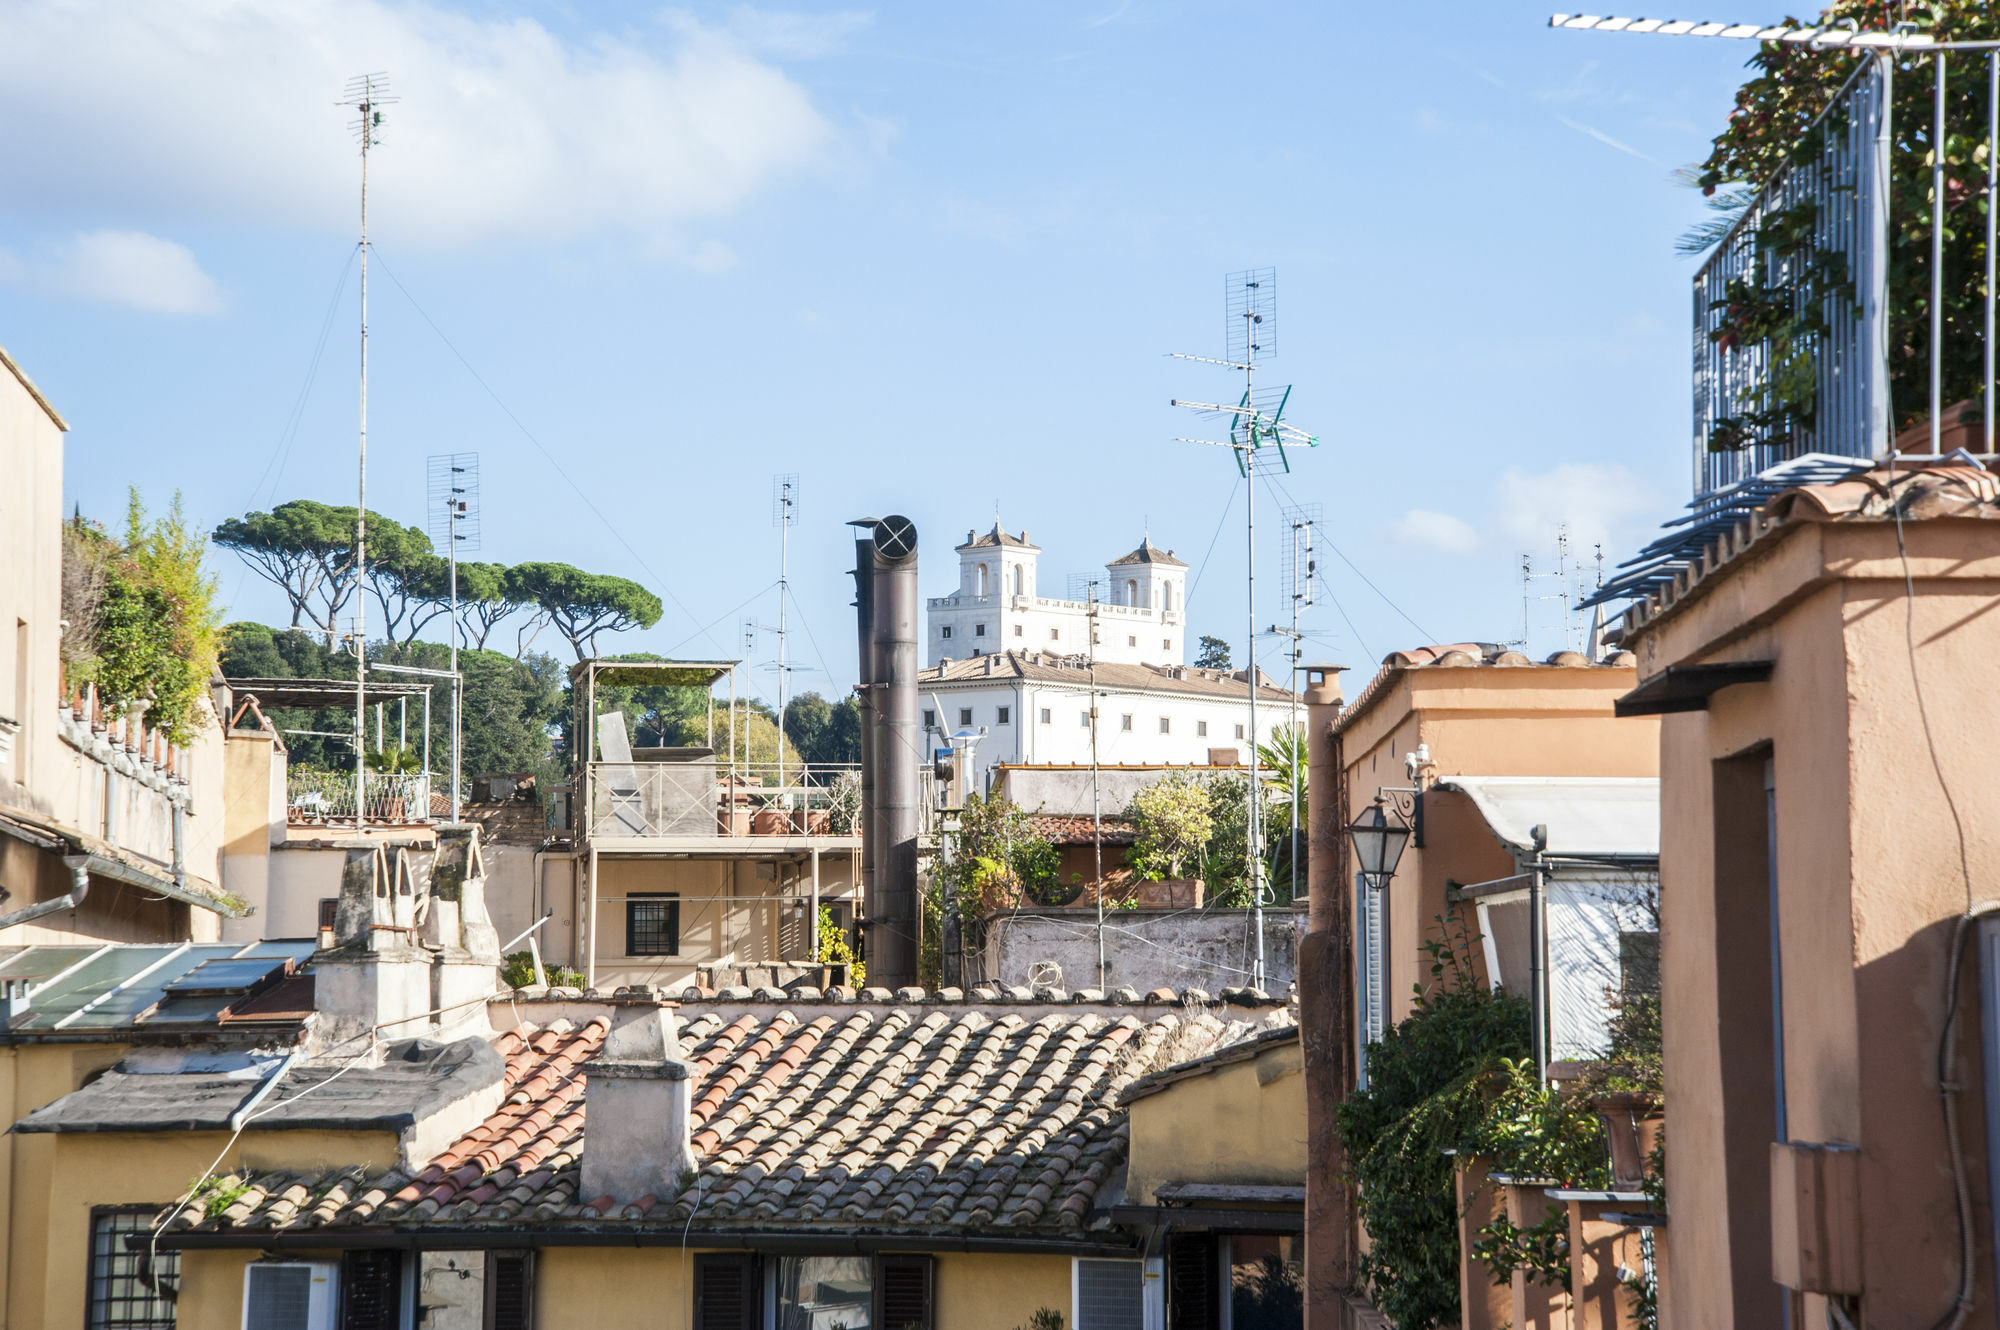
120	1262
637	902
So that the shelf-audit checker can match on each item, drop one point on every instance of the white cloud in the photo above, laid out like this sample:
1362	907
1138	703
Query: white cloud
787	34
118	268
1598	500
1437	531
221	110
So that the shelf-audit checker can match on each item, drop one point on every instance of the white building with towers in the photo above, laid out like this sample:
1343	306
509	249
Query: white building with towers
1018	667
998	607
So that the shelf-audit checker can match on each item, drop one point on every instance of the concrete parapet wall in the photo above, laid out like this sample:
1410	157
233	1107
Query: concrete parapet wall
1144	949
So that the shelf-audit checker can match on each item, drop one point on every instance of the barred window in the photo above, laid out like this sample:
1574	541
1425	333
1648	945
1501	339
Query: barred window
131	1287
653	923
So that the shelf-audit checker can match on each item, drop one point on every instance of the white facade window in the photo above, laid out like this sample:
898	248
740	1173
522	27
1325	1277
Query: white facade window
1005	713
1239	734
1132	642
1085	717
1017	633
979	630
930	723
1055	635
965	718
1045	720
1201	732
1125	724
946	630
1167	727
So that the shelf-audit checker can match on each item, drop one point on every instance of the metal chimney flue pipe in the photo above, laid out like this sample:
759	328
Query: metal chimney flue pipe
864	693
897	746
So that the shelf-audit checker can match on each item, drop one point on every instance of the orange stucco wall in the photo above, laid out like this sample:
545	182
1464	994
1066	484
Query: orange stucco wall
1870	803
1477	720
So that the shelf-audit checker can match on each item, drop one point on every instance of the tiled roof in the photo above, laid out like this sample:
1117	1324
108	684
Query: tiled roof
1907	489
883	1120
1068	829
997	536
1458	655
1147	552
1112	677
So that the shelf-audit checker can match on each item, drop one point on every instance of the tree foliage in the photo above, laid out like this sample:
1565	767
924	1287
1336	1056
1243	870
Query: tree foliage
1166	817
581	605
1175	820
1214	654
1780	307
823	731
306	549
511	706
144	622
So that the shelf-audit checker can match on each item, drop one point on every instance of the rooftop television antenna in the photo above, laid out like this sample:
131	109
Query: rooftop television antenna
1301	570
452	501
367	94
1258	437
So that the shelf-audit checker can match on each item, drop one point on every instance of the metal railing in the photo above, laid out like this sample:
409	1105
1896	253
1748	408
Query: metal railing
328	796
702	797
1833	197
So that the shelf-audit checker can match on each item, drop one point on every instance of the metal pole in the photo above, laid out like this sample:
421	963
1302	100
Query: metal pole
1992	219
361	509
1096	813
1937	260
1253	829
427	743
590	937
813	955
1298	748
784	548
1538	995
457	711
1881	421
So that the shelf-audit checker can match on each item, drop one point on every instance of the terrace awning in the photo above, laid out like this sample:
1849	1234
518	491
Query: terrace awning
321	694
1586	816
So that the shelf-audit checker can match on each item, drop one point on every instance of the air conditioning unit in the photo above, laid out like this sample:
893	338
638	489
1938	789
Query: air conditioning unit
291	1295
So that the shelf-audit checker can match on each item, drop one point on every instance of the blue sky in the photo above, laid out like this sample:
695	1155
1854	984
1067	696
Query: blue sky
930	258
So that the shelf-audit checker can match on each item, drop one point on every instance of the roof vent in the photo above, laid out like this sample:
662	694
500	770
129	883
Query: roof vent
635	1097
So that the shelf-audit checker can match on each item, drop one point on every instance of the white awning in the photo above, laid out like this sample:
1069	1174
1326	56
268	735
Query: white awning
1585	815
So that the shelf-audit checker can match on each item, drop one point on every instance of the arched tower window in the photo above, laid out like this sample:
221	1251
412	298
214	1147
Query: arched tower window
982	581
1017	583
1132	592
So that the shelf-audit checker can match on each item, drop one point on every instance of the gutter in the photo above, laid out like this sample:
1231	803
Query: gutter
79	869
119	871
516	1237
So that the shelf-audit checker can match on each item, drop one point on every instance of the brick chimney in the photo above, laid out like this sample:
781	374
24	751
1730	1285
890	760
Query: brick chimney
635	1106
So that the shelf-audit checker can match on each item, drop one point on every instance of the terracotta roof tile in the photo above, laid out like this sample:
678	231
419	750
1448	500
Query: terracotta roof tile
936	1119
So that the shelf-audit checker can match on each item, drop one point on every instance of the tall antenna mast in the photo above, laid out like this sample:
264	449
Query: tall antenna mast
1303	570
367	95
784	509
1250	304
454	520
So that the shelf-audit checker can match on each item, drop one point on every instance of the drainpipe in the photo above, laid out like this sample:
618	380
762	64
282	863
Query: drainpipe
263	1091
180	846
79	870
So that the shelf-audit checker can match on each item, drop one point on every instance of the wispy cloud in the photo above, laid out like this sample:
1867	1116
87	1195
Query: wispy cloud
1606	139
506	131
130	268
1424	529
1112	17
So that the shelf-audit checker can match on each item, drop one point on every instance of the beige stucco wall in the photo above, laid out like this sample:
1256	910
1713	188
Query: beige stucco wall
1869	880
253	819
1244	1122
649	1288
731	912
31	470
1478	720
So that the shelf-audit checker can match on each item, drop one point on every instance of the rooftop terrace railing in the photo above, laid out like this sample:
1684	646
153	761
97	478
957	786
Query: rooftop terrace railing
313	797
1802	260
700	797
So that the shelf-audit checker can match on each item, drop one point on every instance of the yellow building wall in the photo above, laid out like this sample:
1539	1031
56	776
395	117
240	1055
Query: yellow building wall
1242	1123
650	1288
730	913
59	1178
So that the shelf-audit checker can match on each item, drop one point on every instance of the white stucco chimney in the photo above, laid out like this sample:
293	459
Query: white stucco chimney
635	1107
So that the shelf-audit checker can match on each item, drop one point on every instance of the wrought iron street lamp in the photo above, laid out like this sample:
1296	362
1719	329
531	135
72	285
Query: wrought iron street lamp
1378	837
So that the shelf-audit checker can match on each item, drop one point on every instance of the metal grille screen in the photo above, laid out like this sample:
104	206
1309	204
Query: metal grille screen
1108	1295
277	1297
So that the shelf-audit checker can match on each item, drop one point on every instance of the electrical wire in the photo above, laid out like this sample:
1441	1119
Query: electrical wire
1358	573
1227	506
547	456
1947	1054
